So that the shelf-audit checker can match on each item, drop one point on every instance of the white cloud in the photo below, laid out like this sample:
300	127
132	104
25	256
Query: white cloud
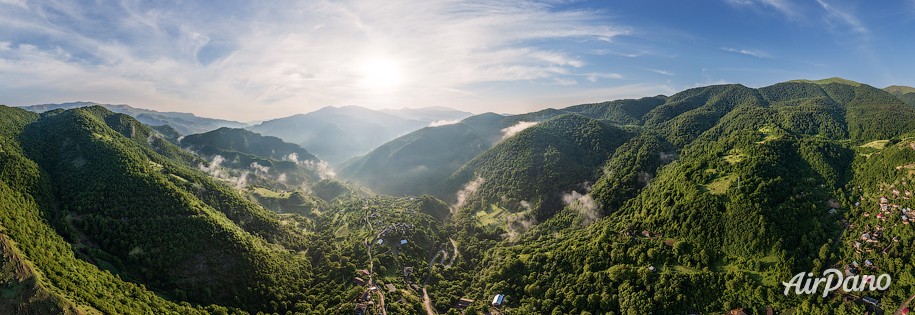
583	204
466	192
782	6
565	81
18	3
508	132
836	15
593	77
748	52
439	123
658	71
260	60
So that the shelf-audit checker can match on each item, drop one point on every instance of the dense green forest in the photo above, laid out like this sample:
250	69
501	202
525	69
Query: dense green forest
704	201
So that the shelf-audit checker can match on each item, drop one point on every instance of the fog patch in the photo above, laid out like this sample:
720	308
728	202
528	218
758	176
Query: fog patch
468	190
582	204
519	223
439	123
213	169
260	170
242	180
645	178
516	128
323	169
667	157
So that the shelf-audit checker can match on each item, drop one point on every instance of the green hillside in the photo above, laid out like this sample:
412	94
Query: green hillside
704	201
542	162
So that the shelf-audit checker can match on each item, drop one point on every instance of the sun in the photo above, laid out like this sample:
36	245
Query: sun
381	74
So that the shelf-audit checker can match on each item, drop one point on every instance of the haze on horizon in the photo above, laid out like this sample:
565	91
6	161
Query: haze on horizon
249	61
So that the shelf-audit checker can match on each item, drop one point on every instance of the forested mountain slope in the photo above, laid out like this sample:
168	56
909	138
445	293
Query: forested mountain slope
337	134
184	123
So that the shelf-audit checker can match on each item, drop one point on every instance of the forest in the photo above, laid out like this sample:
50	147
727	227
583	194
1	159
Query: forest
704	202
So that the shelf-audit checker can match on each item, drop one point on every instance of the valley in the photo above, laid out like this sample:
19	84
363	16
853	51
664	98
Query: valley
703	201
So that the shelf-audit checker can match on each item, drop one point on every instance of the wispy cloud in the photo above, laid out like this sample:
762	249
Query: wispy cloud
782	6
256	60
748	52
835	16
659	71
593	77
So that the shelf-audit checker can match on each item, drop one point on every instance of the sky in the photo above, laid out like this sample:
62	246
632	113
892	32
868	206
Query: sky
254	60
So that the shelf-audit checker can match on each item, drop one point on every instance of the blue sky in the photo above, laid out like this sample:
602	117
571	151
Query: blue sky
251	60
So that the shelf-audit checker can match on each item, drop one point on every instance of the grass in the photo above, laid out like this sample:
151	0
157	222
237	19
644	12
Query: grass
267	193
487	218
178	177
734	158
720	185
685	270
770	134
876	144
830	80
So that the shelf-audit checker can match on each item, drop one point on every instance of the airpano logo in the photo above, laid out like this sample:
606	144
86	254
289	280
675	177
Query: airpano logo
833	279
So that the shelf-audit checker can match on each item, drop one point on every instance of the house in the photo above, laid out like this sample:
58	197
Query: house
850	271
403	242
380	241
738	311
463	303
883	200
407	271
391	288
358	281
871	301
360	309
498	300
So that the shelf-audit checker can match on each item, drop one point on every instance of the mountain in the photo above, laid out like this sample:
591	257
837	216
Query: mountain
337	134
102	215
904	93
726	194
421	162
705	201
183	123
233	141
430	114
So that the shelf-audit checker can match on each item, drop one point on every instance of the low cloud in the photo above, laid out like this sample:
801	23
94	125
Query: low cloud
516	224
516	128
214	168
466	192
583	204
260	170
438	123
321	168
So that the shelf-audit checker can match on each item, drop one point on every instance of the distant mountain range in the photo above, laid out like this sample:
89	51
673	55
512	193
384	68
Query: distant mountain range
700	202
336	134
184	123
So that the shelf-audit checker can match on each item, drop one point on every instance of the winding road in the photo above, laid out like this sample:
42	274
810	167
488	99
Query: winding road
904	305
427	303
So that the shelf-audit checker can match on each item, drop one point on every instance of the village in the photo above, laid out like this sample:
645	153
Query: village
889	213
388	238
